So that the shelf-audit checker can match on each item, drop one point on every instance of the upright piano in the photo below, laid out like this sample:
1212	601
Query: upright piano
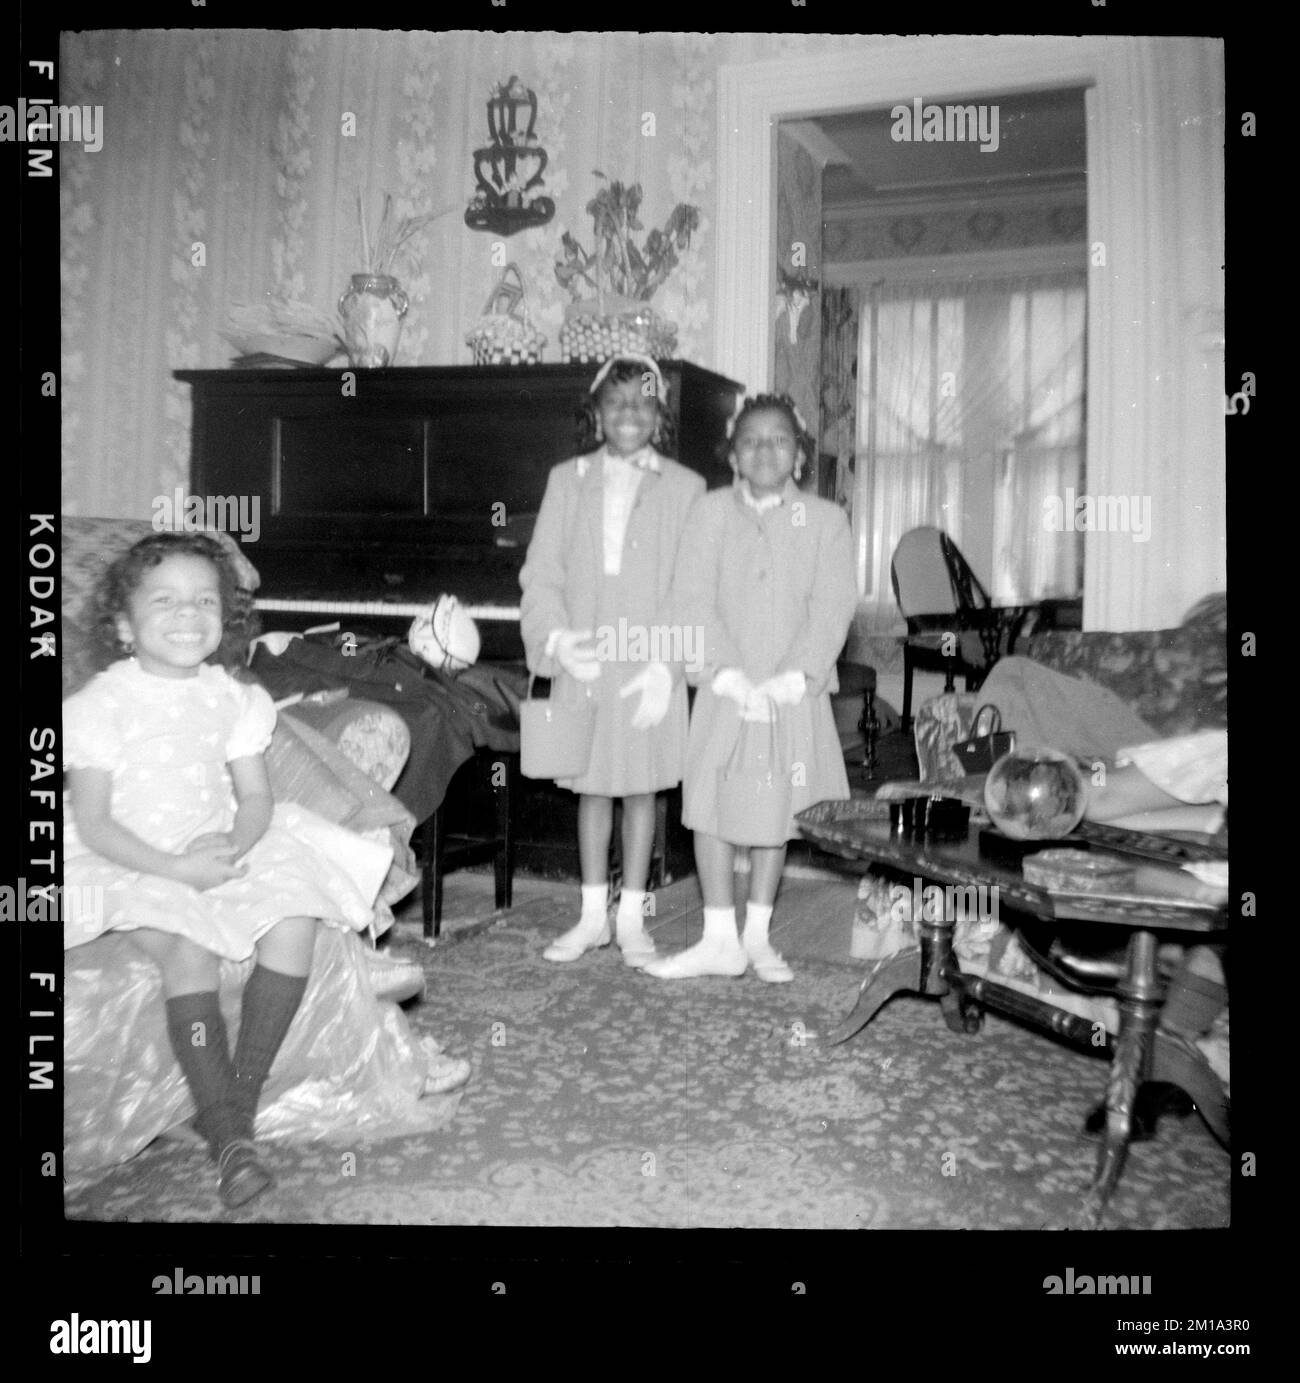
379	490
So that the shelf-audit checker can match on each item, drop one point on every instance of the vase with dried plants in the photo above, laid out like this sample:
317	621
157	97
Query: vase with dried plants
374	304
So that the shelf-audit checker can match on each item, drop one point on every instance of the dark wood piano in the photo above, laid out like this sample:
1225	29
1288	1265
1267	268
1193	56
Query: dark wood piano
376	498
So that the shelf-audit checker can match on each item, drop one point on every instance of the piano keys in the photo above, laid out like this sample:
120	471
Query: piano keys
383	609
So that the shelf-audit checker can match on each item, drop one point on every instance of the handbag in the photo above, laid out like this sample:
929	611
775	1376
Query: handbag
754	791
555	735
987	743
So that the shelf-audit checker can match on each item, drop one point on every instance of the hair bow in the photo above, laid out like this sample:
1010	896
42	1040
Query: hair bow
661	386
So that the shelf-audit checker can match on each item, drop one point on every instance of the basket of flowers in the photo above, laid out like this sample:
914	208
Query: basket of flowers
505	334
611	287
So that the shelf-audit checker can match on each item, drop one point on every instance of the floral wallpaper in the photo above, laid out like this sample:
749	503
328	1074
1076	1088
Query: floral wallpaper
230	170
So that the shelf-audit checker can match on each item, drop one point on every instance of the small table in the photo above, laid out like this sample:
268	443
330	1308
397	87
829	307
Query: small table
860	830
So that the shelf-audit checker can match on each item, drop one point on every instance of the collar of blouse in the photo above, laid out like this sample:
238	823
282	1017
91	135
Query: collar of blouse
647	459
758	506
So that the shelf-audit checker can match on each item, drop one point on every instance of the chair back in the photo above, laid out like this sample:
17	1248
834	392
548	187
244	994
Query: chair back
931	577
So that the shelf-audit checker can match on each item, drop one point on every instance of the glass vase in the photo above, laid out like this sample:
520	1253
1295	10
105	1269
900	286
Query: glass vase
372	309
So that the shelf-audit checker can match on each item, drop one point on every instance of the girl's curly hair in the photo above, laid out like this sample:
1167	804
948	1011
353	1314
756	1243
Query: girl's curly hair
590	435
754	403
111	599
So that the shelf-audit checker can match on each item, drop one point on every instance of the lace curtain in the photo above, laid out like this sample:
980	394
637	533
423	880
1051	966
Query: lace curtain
969	416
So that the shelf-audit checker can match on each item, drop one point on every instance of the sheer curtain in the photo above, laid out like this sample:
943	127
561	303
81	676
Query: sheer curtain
970	418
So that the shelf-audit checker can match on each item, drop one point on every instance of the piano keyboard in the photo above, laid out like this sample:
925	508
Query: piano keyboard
380	608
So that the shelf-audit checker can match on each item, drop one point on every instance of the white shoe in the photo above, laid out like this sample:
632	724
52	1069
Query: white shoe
638	951
577	941
393	978
768	965
704	958
445	1073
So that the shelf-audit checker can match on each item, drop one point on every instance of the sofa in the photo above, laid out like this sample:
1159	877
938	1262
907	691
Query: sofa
350	1065
1175	679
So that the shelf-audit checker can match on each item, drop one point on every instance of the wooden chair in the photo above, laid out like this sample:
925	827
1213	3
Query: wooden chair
445	846
951	622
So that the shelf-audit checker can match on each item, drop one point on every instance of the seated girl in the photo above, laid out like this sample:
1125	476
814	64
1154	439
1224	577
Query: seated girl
175	847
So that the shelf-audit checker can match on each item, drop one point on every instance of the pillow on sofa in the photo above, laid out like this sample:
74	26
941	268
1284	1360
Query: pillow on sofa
1174	679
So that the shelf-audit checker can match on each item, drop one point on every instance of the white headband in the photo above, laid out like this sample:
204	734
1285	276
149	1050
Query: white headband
661	386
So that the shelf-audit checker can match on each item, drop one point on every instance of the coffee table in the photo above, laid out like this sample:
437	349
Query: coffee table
1155	910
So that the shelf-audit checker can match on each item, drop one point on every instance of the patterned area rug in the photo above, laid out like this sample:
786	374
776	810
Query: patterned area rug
601	1098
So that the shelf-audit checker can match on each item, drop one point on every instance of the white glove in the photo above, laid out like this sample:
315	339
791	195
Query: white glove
786	688
758	705
573	649
656	687
733	683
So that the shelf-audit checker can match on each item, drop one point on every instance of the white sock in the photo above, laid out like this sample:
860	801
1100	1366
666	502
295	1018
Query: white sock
768	964
592	928
718	952
634	941
630	921
720	926
758	917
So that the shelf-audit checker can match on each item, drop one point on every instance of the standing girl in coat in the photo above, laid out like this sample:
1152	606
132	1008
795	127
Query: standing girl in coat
766	572
594	618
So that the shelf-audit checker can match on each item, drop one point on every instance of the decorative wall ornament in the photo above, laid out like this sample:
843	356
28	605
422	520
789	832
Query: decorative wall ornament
509	169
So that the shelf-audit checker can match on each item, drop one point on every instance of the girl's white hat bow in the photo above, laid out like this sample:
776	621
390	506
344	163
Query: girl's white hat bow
646	363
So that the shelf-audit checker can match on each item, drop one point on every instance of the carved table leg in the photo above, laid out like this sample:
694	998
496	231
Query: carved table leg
961	1012
885	979
920	970
1139	1004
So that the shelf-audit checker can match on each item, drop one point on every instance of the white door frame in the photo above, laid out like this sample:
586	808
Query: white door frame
1132	210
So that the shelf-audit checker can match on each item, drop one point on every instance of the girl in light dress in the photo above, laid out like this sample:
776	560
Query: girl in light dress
174	840
766	574
596	584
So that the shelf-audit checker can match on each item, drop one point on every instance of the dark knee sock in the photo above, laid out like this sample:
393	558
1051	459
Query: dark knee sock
198	1037
270	1001
1192	1004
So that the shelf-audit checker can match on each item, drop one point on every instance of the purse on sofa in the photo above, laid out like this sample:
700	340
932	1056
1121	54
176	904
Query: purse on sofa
555	735
987	743
754	792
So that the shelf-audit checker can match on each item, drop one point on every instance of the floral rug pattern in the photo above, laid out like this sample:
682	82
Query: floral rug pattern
601	1097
